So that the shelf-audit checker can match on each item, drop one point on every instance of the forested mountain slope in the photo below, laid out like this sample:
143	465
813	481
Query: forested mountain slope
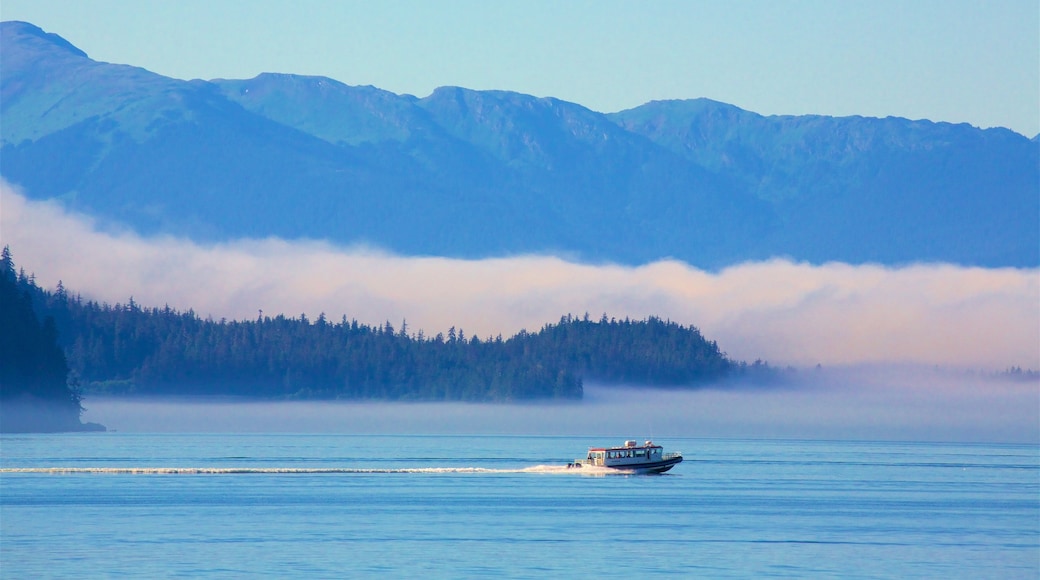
488	173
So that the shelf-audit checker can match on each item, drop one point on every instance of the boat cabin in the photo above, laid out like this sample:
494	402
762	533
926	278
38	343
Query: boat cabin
630	454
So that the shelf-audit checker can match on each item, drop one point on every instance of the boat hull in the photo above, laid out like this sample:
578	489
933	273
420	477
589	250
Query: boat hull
655	467
650	467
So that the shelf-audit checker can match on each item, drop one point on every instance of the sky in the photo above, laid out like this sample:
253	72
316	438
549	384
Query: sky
948	60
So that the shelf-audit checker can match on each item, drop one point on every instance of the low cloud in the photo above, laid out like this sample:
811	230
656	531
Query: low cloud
785	312
862	403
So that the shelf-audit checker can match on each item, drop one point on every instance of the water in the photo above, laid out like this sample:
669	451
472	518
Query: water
333	506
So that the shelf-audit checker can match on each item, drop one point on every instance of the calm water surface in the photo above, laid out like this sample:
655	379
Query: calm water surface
330	506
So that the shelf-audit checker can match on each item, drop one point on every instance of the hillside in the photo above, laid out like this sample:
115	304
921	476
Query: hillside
472	174
35	391
130	350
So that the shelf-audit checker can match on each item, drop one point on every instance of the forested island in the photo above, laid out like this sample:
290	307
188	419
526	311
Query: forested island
130	350
36	394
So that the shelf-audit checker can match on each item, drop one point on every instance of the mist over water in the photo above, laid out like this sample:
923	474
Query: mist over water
893	404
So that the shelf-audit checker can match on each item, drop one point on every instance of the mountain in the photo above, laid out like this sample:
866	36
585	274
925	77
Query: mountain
487	173
950	192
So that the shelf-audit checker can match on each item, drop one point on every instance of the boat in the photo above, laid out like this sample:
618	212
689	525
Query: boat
630	457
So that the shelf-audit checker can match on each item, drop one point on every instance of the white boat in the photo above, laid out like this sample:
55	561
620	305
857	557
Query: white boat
631	457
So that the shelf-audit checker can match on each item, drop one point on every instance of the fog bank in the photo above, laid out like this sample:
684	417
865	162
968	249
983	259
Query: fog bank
840	404
784	312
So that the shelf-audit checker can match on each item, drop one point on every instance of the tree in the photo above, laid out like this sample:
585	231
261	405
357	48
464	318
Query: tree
35	394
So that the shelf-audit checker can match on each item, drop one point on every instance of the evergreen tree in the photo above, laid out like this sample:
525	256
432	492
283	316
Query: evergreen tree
35	394
135	349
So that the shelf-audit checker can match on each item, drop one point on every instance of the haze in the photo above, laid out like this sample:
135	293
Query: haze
867	403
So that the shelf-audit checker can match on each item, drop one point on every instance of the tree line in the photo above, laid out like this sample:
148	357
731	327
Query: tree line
128	349
35	391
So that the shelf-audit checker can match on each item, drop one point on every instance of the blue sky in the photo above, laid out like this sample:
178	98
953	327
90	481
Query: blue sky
950	60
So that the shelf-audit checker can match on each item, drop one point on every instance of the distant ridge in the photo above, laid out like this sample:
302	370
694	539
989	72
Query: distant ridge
473	174
29	30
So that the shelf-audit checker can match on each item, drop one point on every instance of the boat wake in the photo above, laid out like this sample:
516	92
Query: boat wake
286	470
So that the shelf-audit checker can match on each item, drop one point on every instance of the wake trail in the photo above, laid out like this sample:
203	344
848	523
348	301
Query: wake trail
277	470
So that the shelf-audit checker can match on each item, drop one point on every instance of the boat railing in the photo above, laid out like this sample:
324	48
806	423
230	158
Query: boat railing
673	455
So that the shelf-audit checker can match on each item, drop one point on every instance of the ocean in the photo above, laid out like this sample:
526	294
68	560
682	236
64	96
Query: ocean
176	505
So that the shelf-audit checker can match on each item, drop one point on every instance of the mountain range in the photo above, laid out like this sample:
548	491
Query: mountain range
472	174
